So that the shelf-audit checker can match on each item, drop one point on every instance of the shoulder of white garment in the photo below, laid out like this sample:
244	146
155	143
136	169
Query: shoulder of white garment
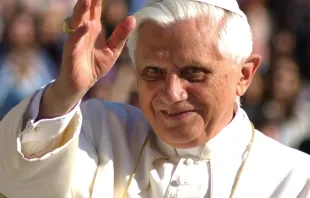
117	132
277	158
107	117
102	108
273	146
273	151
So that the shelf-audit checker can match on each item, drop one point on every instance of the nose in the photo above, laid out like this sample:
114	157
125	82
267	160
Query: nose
173	90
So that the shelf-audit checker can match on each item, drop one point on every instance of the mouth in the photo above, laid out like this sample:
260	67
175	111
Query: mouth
177	114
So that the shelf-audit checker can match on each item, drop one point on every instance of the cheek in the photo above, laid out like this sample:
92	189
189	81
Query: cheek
213	94
207	92
147	95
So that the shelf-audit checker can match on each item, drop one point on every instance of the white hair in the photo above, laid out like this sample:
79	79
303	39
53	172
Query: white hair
234	39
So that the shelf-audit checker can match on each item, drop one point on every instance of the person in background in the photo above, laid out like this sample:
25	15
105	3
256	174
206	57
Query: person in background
25	67
50	36
260	22
135	5
114	12
283	105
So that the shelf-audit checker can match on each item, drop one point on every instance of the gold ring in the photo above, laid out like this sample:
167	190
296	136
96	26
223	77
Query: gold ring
66	28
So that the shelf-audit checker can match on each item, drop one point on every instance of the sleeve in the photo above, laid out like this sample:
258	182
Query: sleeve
48	176
39	138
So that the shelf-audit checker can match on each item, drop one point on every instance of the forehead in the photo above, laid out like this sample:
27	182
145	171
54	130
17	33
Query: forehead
192	40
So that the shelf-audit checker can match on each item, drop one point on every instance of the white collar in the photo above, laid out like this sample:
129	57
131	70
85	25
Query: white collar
231	141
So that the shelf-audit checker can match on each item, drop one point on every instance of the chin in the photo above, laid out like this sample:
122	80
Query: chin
179	135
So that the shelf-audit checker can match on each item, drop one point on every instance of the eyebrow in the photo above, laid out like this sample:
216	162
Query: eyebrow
207	66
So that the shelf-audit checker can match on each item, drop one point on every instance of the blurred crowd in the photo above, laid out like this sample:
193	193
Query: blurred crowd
278	101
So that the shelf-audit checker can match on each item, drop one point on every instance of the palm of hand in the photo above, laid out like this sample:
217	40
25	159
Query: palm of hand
88	56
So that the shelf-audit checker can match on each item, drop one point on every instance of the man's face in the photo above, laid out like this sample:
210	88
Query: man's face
186	88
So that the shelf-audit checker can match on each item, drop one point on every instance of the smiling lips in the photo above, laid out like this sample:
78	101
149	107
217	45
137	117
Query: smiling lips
177	114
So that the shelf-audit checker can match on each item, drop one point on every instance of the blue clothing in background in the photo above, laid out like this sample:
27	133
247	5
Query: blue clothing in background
135	5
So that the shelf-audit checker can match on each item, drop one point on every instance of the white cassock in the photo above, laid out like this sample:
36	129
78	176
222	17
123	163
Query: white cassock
92	151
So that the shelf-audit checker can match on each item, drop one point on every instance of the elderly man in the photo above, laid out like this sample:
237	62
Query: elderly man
192	139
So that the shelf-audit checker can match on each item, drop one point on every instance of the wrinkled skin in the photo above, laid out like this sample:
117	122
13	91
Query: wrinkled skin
180	72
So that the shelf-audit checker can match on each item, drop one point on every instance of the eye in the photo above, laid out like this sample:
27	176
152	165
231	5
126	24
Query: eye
152	73
194	74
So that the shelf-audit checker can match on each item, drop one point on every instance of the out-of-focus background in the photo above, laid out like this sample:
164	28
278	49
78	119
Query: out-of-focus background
278	101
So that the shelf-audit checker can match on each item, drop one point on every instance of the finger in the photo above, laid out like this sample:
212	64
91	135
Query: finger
96	9
75	37
120	35
79	16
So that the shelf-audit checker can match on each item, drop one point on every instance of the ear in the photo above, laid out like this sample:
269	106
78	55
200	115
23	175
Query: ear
248	71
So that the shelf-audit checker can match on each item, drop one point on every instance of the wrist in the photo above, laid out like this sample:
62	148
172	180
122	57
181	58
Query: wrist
65	94
57	101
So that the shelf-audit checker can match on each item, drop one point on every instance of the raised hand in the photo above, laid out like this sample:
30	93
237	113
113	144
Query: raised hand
87	57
